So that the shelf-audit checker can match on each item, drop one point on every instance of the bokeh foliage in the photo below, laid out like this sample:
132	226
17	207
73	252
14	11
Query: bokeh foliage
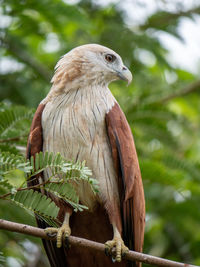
33	37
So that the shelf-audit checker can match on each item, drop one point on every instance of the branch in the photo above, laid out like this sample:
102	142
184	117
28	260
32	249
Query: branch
185	91
188	89
18	138
165	18
81	242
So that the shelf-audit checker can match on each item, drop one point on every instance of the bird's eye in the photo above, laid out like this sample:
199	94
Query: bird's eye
110	58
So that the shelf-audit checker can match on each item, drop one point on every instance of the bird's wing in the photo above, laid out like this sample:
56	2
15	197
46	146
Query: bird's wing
129	178
35	139
35	144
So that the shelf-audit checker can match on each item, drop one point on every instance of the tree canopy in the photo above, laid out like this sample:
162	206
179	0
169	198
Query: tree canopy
162	106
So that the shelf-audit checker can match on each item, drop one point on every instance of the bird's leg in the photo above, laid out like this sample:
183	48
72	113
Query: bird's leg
116	246
62	233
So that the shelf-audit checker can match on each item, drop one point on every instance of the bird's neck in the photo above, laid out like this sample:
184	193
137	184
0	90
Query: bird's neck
95	94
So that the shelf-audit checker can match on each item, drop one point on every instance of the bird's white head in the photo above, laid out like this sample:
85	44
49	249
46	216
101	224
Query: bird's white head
91	64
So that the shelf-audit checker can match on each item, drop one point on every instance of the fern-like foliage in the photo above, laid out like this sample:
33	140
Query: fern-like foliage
56	163
14	127
58	166
10	117
63	179
67	192
2	259
36	202
4	184
9	162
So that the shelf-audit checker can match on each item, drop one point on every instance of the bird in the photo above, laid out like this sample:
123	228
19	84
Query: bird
81	119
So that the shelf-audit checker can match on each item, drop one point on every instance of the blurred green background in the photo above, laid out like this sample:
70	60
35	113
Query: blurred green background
162	105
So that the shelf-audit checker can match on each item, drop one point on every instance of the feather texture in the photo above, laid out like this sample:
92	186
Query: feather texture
74	125
129	178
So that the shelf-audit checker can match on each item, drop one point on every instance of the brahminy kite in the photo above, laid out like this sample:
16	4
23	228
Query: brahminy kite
81	119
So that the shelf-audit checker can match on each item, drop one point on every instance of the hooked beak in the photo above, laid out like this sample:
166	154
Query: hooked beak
125	75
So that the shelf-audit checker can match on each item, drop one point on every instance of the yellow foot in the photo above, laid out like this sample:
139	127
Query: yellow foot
120	249
62	233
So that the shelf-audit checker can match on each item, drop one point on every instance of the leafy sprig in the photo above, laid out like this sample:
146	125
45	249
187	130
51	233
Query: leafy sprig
63	179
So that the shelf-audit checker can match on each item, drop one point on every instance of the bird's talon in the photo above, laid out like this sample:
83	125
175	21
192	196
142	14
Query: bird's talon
66	242
113	259
107	251
125	250
124	254
62	233
51	235
50	231
119	249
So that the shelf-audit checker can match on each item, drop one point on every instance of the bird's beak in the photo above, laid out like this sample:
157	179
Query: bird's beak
125	75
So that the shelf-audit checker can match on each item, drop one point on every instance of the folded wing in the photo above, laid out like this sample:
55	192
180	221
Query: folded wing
129	178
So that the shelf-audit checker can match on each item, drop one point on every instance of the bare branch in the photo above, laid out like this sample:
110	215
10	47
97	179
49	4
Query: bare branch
81	242
185	91
166	18
13	139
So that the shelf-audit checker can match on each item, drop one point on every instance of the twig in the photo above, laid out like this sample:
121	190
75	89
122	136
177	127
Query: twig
12	139
185	91
24	188
163	100
37	186
81	242
165	18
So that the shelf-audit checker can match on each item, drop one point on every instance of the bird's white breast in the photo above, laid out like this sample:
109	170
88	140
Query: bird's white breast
74	125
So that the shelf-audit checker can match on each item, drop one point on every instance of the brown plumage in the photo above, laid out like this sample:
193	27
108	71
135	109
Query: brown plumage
129	176
81	119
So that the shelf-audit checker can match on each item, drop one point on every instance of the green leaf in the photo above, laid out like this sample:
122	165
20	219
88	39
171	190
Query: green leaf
65	190
9	119
9	162
2	259
36	202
